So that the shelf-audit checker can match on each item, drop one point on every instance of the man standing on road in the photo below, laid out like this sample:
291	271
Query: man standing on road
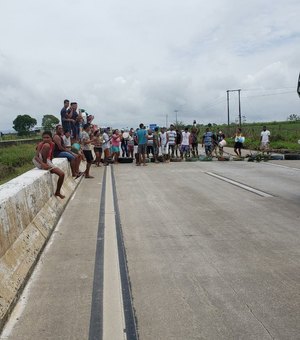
185	143
220	138
172	140
194	141
163	141
141	134
207	141
265	139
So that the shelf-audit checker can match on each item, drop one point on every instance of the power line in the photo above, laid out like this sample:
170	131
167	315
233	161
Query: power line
216	102
221	99
274	89
269	94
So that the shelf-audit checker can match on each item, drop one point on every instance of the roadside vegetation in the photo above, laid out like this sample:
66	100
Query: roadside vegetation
15	160
284	135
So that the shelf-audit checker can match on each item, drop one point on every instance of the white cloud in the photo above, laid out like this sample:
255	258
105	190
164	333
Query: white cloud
140	61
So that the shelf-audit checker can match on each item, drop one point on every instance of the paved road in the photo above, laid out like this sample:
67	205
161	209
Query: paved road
213	252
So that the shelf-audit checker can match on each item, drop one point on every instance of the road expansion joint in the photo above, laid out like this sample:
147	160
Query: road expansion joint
112	300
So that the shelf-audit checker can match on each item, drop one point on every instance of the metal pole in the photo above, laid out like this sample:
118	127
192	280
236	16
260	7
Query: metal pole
176	116
240	113
228	121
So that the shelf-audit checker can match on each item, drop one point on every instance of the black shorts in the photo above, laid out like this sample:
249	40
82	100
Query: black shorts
88	156
98	149
238	145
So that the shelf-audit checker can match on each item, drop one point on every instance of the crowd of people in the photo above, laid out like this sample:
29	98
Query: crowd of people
77	139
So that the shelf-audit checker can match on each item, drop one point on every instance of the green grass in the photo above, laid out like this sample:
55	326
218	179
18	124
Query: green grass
284	135
15	160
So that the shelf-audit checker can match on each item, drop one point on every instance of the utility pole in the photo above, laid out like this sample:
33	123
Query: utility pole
240	112
166	120
176	111
228	120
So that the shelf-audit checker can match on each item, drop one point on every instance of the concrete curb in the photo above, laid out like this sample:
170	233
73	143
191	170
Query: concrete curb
29	212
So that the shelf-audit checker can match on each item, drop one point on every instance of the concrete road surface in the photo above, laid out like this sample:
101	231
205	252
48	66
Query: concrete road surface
213	252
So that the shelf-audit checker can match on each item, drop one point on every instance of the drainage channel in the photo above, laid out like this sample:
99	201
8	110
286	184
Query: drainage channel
240	185
112	314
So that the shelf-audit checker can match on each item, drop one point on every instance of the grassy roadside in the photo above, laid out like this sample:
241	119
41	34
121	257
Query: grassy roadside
15	160
284	135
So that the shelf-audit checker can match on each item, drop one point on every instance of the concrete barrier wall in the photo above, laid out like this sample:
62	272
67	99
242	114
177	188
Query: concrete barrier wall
29	212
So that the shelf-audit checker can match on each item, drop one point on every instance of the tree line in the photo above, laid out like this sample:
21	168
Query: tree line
24	124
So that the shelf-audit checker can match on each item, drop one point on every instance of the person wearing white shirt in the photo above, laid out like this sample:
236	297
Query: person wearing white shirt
67	139
163	141
171	134
106	145
185	143
265	139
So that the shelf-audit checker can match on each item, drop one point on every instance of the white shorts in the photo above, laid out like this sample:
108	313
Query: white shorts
164	149
264	145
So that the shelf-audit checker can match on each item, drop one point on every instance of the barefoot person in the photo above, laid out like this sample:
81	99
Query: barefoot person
130	144
43	157
238	142
265	140
142	144
115	145
86	148
97	141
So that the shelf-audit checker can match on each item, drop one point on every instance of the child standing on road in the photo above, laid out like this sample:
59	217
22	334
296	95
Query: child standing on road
238	139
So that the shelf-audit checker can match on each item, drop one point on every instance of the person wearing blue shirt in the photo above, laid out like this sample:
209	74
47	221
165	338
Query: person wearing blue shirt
208	141
141	135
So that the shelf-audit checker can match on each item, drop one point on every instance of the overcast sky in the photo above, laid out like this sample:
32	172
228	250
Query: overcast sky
136	61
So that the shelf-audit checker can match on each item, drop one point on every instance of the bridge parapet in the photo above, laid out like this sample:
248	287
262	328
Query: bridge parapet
29	212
